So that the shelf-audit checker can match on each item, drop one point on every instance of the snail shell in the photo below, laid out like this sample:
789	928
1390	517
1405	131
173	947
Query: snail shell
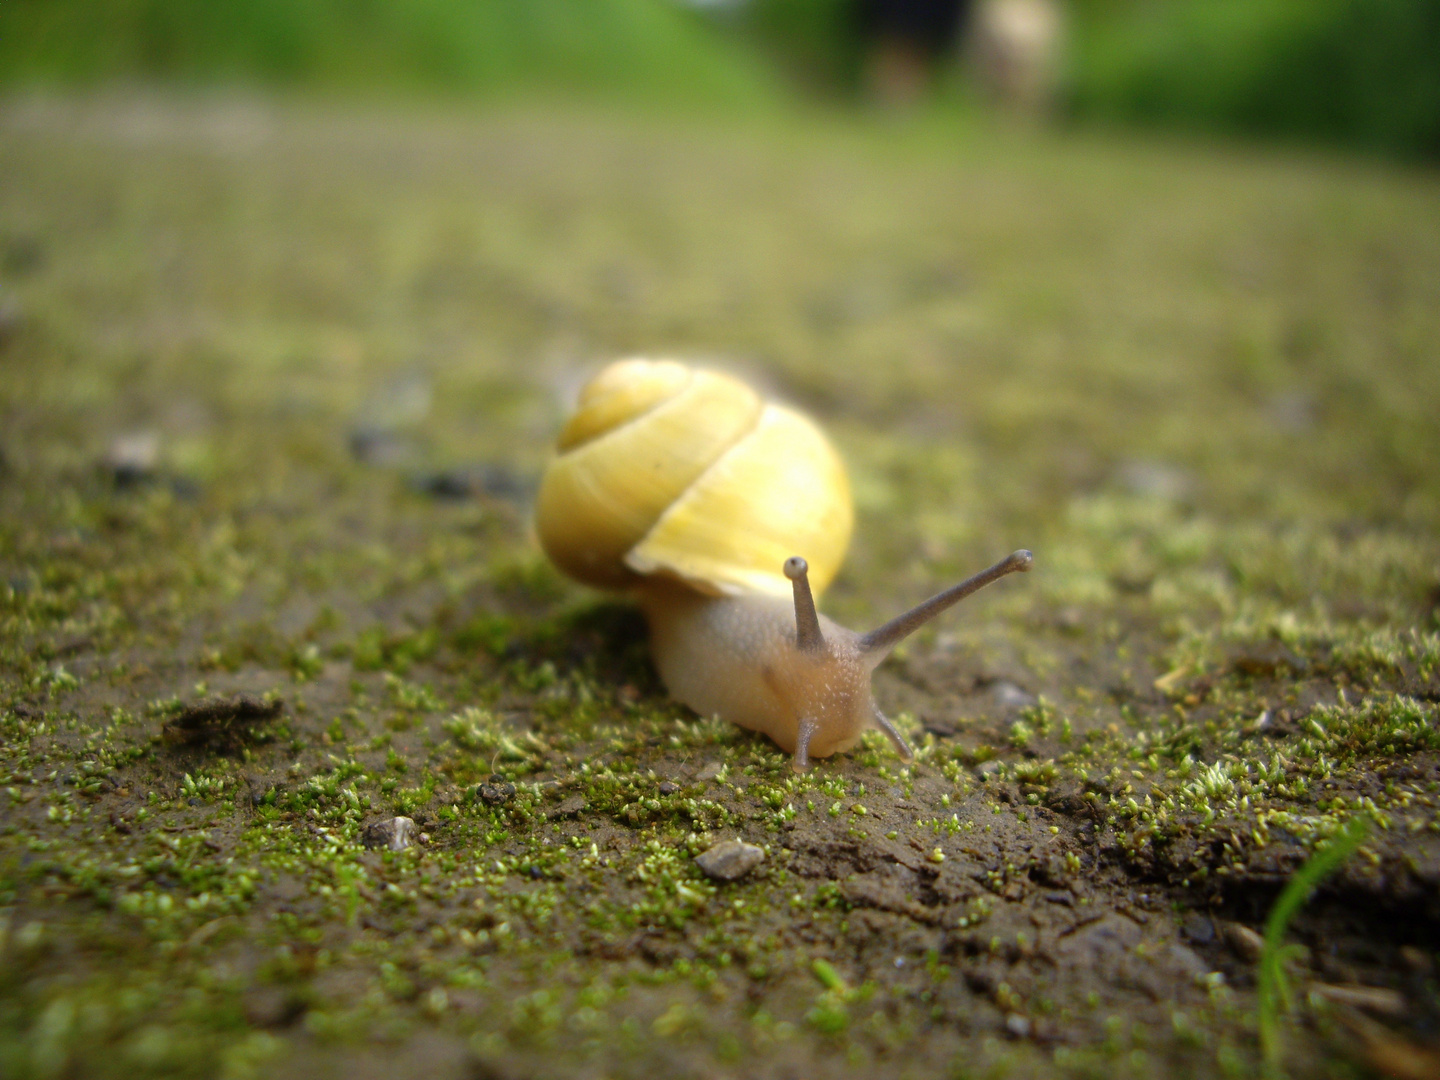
686	473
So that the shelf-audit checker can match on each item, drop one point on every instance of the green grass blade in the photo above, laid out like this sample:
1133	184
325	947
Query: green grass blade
1274	990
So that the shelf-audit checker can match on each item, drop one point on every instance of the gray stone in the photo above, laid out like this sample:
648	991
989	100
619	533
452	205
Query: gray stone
730	860
393	834
575	804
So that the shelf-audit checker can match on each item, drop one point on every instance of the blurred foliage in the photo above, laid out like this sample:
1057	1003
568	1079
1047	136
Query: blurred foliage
817	41
1355	72
653	48
1358	72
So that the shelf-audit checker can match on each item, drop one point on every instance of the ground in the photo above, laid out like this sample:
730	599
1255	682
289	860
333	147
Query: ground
279	380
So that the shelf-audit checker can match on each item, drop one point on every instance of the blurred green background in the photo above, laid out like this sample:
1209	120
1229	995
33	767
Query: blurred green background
1359	73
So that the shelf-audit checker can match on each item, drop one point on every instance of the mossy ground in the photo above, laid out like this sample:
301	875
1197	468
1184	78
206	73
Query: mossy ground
1204	387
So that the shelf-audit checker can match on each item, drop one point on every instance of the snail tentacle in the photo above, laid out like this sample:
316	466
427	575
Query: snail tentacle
803	734
893	734
808	637
877	644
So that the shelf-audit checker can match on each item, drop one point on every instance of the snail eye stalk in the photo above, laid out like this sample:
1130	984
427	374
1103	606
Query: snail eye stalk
807	623
880	641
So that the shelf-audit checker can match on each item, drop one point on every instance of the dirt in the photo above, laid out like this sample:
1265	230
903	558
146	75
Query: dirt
1202	386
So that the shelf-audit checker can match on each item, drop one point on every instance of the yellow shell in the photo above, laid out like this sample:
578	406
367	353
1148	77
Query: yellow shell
686	473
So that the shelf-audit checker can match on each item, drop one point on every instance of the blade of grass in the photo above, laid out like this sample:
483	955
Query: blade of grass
1273	989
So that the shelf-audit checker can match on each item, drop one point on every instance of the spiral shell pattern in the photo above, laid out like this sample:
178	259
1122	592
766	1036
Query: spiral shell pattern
686	473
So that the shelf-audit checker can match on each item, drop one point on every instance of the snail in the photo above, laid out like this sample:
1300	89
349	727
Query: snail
726	516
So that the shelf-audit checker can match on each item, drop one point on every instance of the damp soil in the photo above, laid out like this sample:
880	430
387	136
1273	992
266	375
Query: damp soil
278	382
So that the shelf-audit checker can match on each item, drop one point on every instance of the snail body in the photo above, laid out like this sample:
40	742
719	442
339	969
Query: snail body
683	487
737	657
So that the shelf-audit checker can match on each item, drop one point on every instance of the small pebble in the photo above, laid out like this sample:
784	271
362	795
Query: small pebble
1009	695
1244	942
669	788
381	447
1155	480
1198	929
709	772
730	860
569	808
445	484
471	481
132	458
393	834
